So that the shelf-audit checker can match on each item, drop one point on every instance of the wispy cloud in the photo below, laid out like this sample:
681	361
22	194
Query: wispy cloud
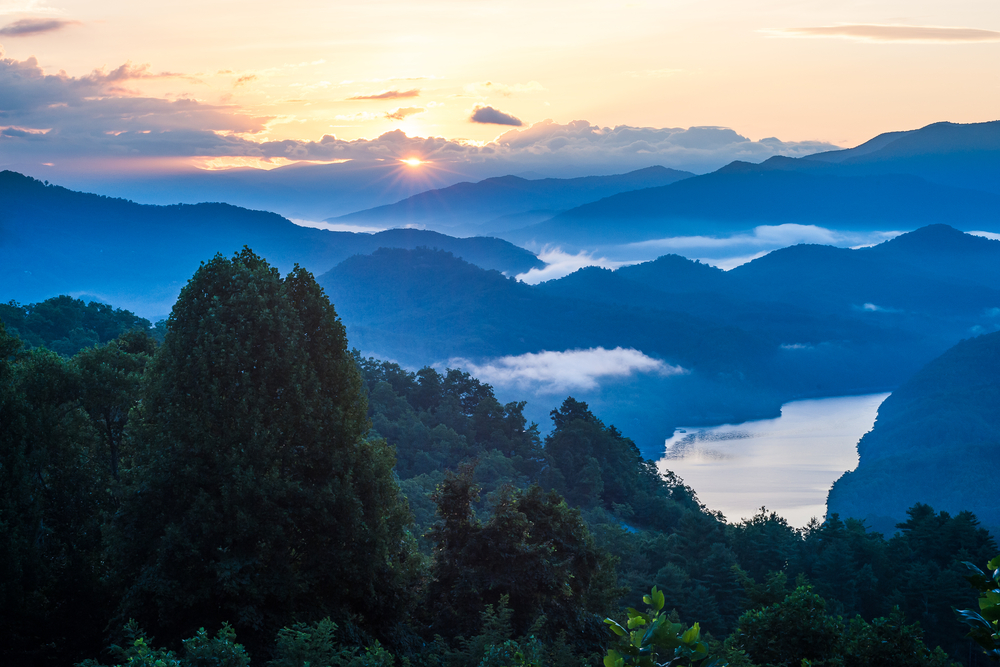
491	116
403	112
26	27
892	33
27	7
550	372
727	252
388	95
559	264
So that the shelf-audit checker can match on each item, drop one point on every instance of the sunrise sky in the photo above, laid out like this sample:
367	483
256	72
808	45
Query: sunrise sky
208	82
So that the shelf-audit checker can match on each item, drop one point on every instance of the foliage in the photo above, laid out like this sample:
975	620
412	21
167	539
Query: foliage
651	639
534	553
66	325
985	623
53	497
436	421
800	630
254	496
313	645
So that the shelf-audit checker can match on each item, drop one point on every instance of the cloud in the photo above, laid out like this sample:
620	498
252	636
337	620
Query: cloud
34	27
403	112
388	95
893	33
26	7
872	308
559	264
730	251
246	78
492	116
59	117
557	372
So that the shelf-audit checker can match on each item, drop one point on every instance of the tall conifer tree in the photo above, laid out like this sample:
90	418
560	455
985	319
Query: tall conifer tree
255	498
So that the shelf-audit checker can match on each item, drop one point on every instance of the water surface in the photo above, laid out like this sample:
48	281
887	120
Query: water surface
786	464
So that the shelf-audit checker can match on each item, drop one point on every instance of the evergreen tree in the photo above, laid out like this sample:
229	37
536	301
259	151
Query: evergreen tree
255	497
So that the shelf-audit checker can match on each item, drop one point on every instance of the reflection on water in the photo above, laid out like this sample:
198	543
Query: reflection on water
786	464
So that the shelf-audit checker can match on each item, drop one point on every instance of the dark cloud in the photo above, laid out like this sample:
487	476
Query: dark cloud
492	116
403	112
894	33
34	27
388	95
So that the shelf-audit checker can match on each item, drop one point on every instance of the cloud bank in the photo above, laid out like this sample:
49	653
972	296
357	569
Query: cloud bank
549	372
52	118
913	34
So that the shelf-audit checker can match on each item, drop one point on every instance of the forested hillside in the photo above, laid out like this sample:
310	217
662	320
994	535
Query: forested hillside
804	321
937	438
303	504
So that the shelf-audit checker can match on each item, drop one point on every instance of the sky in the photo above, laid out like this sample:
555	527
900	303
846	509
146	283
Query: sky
215	84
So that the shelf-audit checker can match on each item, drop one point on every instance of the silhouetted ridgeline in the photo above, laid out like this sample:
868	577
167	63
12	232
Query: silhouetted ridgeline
506	202
56	241
936	440
943	173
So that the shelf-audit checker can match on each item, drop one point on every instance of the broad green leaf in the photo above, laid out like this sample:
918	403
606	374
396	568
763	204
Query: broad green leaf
691	634
615	627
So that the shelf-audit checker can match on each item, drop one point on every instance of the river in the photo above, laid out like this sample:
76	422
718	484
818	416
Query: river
786	464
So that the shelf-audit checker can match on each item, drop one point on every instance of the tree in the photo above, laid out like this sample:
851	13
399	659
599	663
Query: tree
254	497
110	378
534	552
52	500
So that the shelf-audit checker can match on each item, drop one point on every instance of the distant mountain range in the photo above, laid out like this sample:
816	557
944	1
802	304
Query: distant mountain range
936	441
55	241
804	321
943	173
507	202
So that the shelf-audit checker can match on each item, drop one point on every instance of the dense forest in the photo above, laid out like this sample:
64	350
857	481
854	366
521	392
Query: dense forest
235	485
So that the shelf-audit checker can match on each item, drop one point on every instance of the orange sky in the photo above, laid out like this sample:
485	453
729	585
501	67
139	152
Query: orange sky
839	72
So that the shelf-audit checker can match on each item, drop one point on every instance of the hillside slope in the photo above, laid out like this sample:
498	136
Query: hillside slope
936	441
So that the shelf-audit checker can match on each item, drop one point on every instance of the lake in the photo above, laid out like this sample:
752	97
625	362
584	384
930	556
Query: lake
786	464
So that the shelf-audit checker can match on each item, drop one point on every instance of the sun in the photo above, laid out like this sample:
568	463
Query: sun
413	162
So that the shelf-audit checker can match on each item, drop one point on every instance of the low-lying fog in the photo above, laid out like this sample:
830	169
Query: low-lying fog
724	252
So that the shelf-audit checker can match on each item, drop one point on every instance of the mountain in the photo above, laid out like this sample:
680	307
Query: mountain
944	173
297	191
936	441
843	321
498	204
56	241
741	196
803	321
959	155
423	307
